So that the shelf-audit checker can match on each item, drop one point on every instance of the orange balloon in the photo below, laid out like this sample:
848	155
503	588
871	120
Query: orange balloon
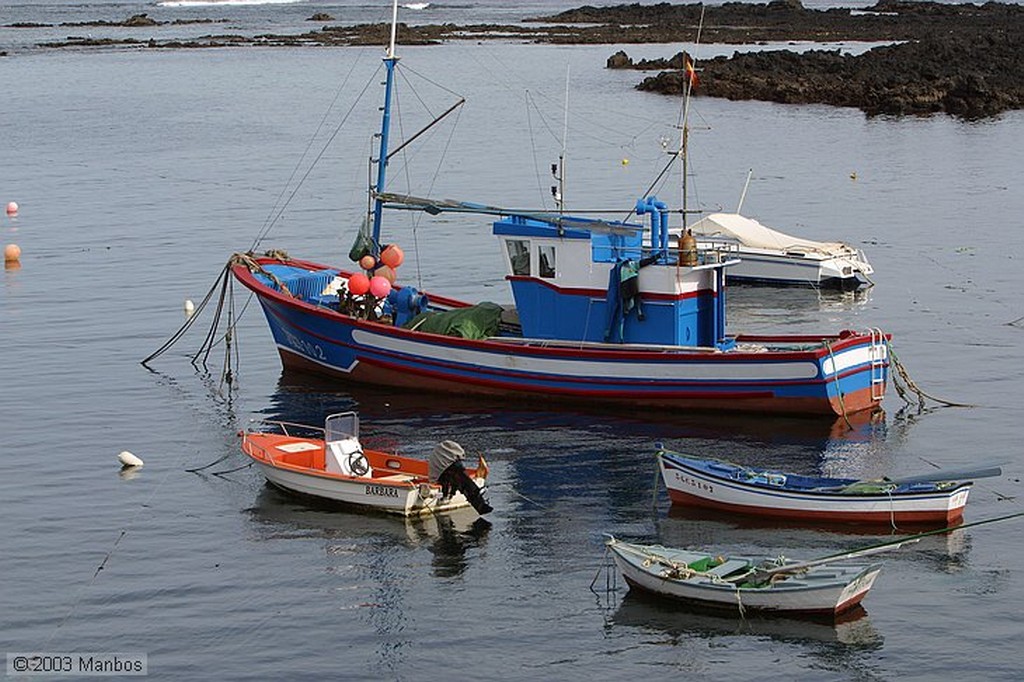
367	262
392	255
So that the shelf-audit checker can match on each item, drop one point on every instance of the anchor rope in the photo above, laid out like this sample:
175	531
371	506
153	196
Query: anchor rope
910	385
145	506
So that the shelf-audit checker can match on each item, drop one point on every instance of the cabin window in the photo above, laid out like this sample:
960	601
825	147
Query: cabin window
519	256
546	261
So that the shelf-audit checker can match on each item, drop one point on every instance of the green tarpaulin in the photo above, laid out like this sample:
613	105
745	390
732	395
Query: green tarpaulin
475	322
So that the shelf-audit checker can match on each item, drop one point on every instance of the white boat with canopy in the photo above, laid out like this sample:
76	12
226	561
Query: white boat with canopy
768	256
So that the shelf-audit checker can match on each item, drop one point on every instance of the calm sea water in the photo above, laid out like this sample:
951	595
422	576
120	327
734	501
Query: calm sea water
139	172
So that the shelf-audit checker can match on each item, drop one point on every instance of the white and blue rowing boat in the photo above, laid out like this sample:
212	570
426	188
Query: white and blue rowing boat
729	487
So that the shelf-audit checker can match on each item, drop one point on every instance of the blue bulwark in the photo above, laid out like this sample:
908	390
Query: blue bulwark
610	248
518	226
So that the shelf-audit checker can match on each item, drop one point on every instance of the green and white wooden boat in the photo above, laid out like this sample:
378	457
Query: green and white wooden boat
737	583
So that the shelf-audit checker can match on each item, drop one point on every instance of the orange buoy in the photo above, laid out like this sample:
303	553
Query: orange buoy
12	253
392	255
358	284
12	208
367	262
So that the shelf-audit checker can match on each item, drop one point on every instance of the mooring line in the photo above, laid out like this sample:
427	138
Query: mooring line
902	373
146	504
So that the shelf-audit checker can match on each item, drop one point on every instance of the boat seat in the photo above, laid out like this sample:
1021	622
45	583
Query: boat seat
395	478
342	454
728	568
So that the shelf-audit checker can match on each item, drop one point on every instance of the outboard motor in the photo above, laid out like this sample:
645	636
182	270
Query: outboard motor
445	467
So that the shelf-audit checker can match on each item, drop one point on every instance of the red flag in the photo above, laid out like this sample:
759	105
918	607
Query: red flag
691	73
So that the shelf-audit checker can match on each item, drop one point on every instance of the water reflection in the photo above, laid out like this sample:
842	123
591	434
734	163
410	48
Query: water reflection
755	308
637	610
698	515
308	398
447	537
687	527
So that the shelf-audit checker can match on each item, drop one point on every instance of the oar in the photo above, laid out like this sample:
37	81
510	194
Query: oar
760	575
874	549
949	475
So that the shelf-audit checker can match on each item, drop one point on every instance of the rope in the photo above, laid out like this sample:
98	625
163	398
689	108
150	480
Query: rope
519	494
145	506
999	496
657	478
676	571
892	508
909	384
278	210
839	388
229	471
189	322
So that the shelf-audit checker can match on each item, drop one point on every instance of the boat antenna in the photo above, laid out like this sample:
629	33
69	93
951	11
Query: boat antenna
689	80
743	194
558	172
390	60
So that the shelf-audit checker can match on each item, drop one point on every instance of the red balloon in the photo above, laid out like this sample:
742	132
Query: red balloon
380	287
358	284
392	255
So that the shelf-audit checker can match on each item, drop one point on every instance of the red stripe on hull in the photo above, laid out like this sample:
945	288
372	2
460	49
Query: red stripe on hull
850	603
377	373
918	516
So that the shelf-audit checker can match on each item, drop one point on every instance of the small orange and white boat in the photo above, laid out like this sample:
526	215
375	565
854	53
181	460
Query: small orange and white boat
335	468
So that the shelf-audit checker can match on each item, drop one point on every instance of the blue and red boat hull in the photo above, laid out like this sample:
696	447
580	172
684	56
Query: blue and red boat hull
826	375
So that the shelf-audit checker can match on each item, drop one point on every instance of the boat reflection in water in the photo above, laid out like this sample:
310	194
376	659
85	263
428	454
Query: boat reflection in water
851	629
688	526
363	536
306	398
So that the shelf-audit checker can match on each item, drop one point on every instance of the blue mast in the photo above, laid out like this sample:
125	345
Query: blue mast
385	126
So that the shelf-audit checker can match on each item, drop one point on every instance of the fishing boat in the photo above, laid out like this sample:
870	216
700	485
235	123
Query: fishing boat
601	315
774	258
737	584
334	467
725	486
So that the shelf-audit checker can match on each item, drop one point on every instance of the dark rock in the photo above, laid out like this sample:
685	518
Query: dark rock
619	60
970	78
321	16
140	20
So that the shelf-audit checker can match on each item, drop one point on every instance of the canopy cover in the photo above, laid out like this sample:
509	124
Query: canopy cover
753	234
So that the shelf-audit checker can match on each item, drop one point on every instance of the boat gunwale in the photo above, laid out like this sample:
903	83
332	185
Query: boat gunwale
768	490
253	437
